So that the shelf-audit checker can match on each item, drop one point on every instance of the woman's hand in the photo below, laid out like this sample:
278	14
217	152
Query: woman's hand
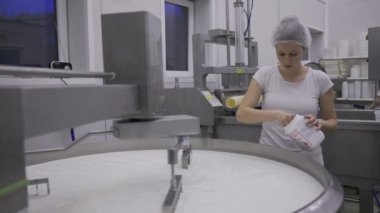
284	117
312	121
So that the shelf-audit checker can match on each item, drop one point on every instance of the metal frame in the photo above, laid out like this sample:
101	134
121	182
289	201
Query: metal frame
32	110
191	101
45	72
171	125
199	59
134	54
373	53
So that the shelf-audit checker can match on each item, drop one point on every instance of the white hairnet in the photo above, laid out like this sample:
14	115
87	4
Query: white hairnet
290	29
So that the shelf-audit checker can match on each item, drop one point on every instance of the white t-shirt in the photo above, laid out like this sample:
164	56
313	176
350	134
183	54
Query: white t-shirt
293	97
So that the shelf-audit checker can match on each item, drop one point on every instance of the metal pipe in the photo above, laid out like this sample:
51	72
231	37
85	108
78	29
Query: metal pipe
353	200
239	33
228	39
250	62
173	182
228	34
45	72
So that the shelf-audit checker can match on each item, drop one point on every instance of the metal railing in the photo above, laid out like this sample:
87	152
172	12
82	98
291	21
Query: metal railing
50	73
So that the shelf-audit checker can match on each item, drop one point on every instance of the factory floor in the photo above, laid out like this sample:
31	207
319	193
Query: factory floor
351	206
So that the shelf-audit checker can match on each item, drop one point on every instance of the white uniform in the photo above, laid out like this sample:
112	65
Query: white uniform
293	97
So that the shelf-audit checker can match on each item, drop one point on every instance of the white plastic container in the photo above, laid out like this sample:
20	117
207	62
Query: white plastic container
364	69
302	134
351	89
366	90
344	48
355	71
329	52
345	89
357	89
377	114
332	68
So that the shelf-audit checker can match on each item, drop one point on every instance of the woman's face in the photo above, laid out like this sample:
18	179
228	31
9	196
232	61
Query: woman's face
289	55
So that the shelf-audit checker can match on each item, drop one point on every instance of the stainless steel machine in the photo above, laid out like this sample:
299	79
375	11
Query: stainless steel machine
32	110
200	101
28	111
135	104
134	96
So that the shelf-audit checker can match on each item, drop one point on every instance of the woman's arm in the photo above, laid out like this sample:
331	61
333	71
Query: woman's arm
246	112
375	103
328	122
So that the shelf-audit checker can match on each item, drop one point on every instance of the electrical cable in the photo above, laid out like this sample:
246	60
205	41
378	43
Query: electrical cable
60	42
60	47
72	131
249	16
64	81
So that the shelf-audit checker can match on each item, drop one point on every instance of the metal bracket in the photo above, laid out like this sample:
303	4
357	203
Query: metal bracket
184	142
175	189
186	157
172	196
40	181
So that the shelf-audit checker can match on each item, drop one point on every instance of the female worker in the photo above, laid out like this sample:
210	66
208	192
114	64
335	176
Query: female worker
289	88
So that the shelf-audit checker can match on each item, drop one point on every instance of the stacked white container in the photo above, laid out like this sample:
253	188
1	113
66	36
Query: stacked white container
351	89
361	48
345	89
361	45
344	68
332	68
344	48
377	114
356	86
364	68
329	52
366	90
355	73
